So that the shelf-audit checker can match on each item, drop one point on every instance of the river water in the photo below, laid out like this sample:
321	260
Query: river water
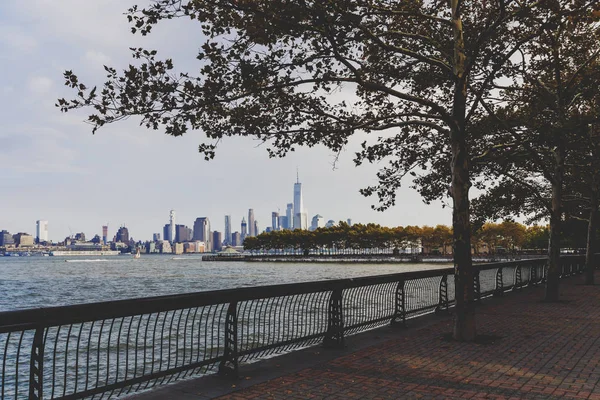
28	282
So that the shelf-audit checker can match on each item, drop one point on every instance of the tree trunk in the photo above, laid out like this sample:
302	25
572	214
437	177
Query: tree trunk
553	278
591	236
464	321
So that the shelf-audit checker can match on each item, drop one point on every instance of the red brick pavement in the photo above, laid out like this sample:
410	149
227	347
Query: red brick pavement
532	350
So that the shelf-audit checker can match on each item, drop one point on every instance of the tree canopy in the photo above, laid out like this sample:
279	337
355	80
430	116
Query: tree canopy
411	75
313	72
540	125
374	239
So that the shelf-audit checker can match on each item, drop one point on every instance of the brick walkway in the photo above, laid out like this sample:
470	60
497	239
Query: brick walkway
532	350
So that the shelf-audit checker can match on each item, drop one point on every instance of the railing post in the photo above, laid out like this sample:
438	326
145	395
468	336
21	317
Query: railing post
399	318
477	287
532	274
229	366
36	369
518	278
334	338
499	291
443	303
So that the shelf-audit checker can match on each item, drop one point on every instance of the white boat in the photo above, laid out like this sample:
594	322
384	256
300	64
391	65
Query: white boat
137	254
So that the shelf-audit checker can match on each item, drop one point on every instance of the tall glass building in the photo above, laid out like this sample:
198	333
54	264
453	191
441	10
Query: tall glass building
42	231
251	225
228	239
300	219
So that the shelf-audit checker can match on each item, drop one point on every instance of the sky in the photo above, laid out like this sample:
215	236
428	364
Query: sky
53	168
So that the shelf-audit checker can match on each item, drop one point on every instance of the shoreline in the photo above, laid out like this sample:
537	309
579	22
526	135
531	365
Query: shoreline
357	259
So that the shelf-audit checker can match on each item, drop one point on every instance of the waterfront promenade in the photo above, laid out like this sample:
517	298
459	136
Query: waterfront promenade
528	349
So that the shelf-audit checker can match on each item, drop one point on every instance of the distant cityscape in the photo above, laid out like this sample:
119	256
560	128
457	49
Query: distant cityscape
174	239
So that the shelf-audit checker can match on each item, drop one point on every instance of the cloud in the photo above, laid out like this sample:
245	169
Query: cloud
16	39
39	85
99	22
96	58
34	149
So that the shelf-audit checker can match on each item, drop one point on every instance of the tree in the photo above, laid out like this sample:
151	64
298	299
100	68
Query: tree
270	70
443	236
513	235
428	241
594	200
583	182
490	235
532	133
537	237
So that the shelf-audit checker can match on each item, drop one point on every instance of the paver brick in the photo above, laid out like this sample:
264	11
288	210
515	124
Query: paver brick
542	351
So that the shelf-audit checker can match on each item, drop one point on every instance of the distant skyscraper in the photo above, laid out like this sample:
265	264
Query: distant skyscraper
300	219
236	239
228	239
166	232
275	221
22	239
256	231
123	235
156	237
330	223
104	234
317	222
172	226
217	241
283	222
41	231
182	234
349	221
244	228
289	213
202	232
251	224
6	238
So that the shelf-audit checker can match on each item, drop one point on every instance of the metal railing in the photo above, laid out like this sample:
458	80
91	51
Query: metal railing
109	349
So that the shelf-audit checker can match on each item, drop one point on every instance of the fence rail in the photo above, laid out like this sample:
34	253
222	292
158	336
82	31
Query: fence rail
108	349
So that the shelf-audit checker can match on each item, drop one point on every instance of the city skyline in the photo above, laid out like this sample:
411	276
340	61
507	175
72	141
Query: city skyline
173	232
104	230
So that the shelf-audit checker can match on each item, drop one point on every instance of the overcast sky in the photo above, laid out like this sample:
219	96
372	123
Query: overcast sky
53	168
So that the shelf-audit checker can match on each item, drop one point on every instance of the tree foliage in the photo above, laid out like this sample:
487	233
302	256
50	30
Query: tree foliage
313	72
374	239
409	74
535	130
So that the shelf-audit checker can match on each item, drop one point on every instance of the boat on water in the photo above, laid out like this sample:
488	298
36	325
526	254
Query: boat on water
137	254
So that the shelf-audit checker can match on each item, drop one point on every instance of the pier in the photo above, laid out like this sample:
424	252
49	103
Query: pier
117	348
527	350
